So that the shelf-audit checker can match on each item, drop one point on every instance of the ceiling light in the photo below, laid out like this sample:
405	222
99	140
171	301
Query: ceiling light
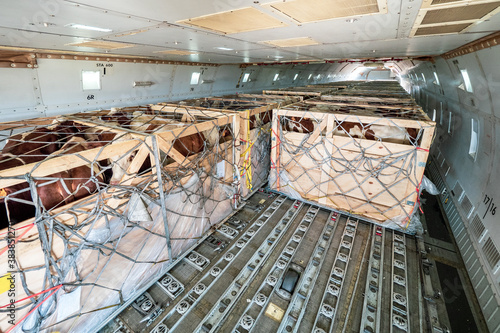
224	48
87	27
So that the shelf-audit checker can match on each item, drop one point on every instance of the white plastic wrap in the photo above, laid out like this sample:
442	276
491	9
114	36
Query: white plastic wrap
428	186
141	252
260	154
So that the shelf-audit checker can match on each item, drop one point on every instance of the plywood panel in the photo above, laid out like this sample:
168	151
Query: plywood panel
317	10
462	13
290	42
445	29
177	52
235	21
105	45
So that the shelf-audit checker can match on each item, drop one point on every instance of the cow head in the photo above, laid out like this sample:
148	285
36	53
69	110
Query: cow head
120	165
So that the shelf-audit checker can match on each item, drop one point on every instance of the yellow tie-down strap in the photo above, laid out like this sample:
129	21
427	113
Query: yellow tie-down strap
247	163
5	283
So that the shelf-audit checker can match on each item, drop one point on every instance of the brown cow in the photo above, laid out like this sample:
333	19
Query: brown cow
73	184
21	149
394	134
260	119
298	124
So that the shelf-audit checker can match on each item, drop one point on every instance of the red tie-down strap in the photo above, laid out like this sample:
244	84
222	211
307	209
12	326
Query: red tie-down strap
53	289
418	195
27	227
278	141
273	165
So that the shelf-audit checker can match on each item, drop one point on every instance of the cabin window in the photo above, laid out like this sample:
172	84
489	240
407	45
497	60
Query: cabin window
474	138
467	86
434	115
276	76
195	78
423	77
436	81
91	80
245	77
310	75
295	76
449	122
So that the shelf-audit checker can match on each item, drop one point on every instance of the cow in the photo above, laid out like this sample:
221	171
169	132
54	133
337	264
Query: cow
186	146
73	184
298	124
21	149
33	147
66	129
260	119
385	133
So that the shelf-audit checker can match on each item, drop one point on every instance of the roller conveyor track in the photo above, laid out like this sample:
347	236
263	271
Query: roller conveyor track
370	318
297	307
400	317
325	318
353	276
255	309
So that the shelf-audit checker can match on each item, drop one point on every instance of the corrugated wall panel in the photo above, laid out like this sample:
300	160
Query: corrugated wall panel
474	265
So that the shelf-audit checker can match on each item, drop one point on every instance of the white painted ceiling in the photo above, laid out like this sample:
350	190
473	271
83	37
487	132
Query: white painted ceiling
42	24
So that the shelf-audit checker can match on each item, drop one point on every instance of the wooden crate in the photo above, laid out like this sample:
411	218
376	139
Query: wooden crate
335	86
254	147
306	92
184	196
383	103
279	100
375	179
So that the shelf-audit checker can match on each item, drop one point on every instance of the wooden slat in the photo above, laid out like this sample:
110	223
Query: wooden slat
65	162
168	149
401	122
367	99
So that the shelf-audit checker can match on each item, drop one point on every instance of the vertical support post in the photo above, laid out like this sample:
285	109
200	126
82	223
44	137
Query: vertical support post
243	137
326	168
275	146
156	152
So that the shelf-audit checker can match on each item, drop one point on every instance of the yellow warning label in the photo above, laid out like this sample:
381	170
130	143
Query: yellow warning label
5	283
274	312
262	201
3	193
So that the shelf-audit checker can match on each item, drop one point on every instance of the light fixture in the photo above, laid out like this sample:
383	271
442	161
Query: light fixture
87	27
224	48
143	83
